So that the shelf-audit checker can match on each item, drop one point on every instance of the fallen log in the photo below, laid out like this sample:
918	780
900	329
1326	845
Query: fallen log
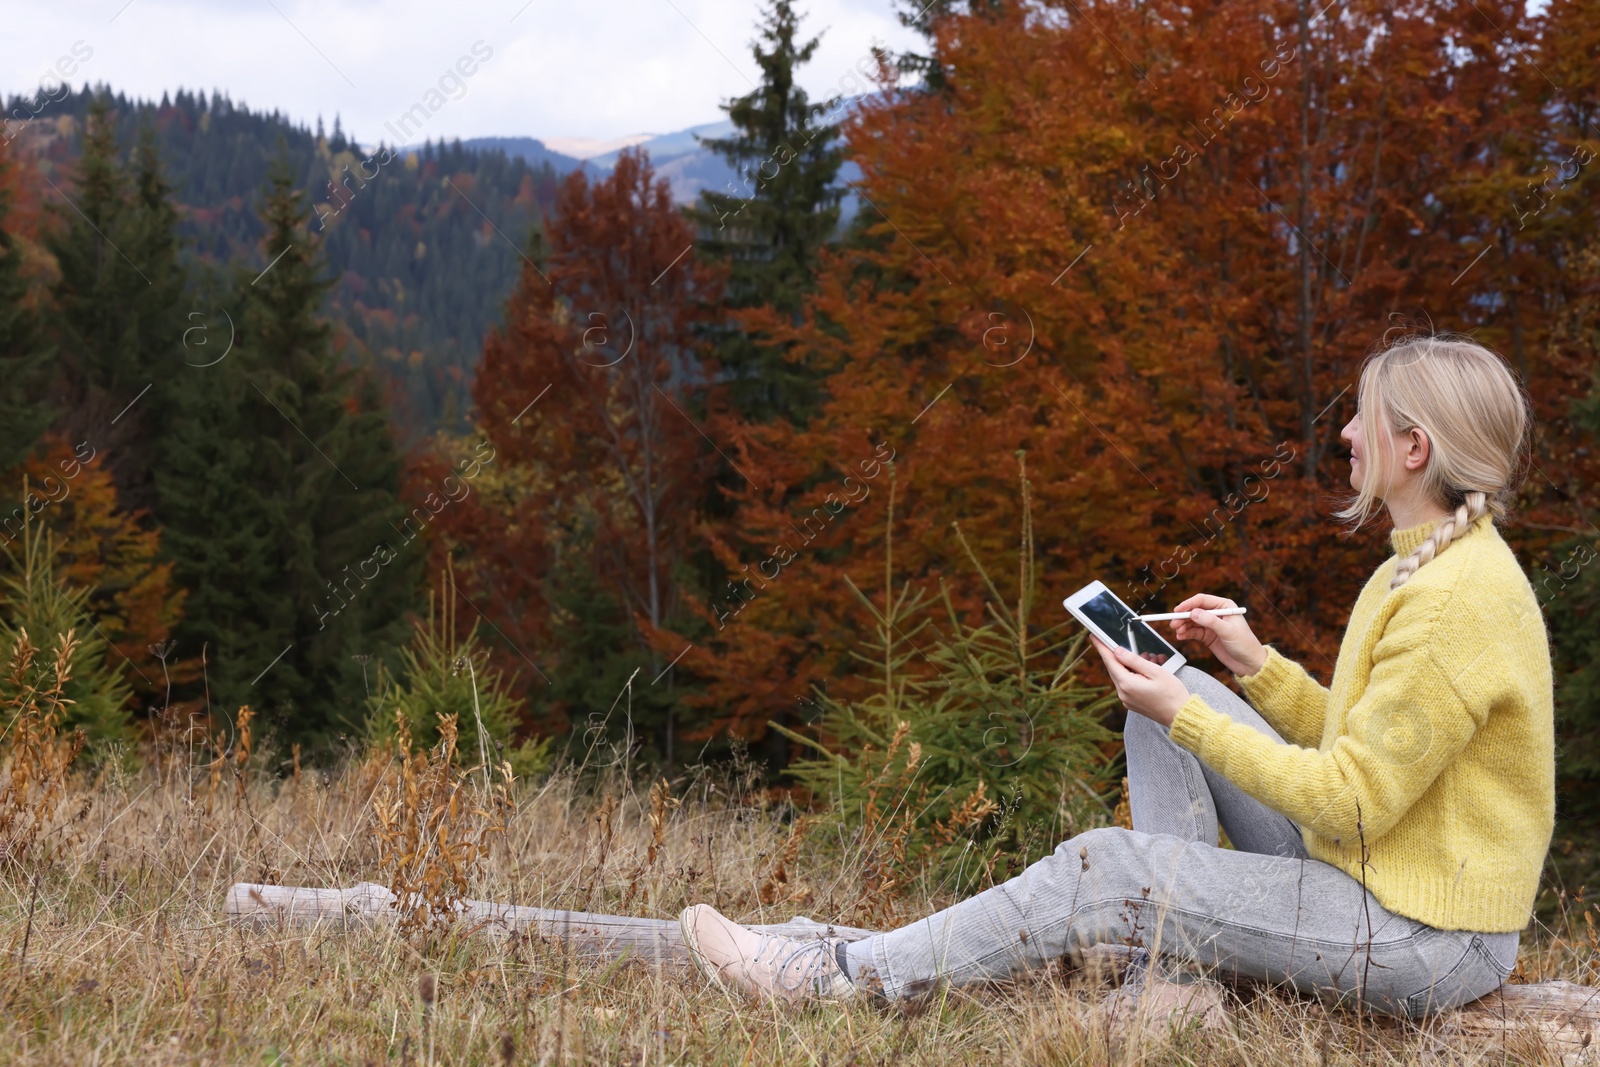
603	937
1552	1017
1558	1017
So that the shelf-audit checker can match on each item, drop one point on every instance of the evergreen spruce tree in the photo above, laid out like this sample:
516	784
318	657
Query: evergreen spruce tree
25	355
920	15
280	495
1569	592
34	599
596	648
120	303
771	227
447	672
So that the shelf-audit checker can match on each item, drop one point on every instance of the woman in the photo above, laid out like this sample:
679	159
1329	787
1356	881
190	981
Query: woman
1388	831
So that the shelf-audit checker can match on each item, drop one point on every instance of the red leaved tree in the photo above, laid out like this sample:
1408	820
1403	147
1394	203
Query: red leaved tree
588	395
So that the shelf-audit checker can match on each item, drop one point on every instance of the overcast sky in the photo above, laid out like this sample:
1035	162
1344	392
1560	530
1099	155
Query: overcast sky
555	68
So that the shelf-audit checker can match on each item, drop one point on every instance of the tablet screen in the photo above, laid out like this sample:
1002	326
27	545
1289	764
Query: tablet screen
1123	625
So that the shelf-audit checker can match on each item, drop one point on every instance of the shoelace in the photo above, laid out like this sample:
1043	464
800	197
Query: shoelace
787	950
1124	998
1139	963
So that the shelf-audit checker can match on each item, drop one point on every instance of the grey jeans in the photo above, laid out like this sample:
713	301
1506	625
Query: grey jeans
1262	910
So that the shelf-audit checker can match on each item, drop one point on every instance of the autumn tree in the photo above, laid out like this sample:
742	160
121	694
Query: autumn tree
921	16
593	389
25	353
113	556
1162	292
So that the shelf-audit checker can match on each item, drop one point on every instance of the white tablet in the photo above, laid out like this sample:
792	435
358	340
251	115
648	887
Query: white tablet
1113	622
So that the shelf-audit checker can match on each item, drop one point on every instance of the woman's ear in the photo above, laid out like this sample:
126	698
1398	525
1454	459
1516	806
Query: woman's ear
1418	449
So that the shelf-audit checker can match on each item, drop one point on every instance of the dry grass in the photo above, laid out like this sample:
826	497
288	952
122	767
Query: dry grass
128	958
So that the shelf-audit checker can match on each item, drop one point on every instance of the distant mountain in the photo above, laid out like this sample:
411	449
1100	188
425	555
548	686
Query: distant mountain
530	150
678	157
666	146
589	147
426	245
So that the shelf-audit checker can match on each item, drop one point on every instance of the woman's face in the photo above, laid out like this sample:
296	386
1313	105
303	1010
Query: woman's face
1407	454
1351	435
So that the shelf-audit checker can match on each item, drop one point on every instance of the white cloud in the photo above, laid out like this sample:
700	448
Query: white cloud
598	69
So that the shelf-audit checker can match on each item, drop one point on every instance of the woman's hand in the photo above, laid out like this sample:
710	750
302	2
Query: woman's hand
1142	685
1228	637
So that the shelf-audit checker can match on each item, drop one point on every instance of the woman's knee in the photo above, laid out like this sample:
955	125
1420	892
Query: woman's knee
1108	846
1112	860
1202	685
1147	745
1104	876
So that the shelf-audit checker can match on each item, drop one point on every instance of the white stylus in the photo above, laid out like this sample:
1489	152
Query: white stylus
1167	616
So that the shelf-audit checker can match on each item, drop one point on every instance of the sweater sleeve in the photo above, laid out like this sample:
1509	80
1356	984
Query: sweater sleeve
1293	703
1406	728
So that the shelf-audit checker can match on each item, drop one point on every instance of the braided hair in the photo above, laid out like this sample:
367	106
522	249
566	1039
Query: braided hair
1468	512
1475	415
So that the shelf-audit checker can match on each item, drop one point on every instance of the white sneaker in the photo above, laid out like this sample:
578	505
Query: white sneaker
762	965
1155	1006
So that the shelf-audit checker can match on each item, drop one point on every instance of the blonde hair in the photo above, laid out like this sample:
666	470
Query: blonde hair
1476	417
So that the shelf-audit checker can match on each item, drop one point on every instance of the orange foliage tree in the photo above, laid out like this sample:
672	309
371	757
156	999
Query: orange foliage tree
114	555
589	397
1149	245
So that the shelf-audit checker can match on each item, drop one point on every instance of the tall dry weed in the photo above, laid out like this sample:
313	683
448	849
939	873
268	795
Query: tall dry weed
435	826
35	758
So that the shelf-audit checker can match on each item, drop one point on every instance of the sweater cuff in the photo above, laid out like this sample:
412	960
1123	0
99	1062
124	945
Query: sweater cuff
1267	683
1194	720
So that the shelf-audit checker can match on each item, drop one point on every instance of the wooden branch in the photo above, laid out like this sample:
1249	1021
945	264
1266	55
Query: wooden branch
1561	1017
587	934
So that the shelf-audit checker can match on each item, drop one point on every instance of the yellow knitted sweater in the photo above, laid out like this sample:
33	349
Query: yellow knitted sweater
1434	746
